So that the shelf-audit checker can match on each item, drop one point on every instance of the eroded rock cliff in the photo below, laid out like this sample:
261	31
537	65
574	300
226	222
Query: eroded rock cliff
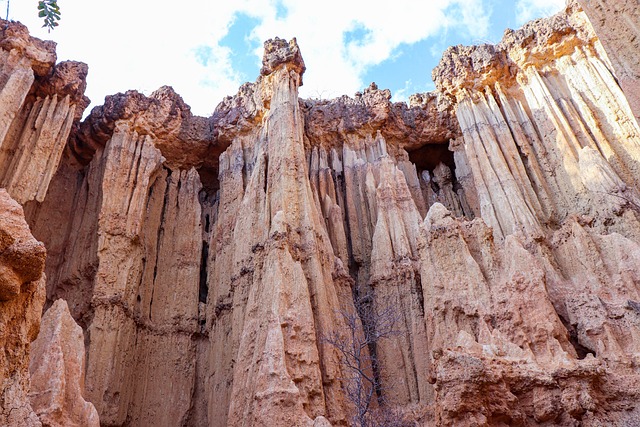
616	24
22	287
551	143
216	265
41	102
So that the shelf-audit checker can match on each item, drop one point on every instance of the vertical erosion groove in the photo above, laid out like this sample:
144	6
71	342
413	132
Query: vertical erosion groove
203	288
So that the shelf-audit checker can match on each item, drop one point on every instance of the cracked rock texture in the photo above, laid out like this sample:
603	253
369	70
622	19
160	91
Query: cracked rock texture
207	260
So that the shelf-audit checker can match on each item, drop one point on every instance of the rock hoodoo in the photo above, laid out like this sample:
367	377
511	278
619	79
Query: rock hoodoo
209	265
57	371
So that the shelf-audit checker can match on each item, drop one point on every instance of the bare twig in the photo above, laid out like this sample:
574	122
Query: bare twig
630	200
365	327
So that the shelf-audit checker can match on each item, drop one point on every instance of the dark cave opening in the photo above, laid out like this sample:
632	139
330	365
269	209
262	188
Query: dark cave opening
209	179
436	169
207	223
581	350
574	340
429	156
203	289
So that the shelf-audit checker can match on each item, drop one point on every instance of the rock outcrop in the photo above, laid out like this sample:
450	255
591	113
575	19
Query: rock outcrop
22	287
272	287
57	368
551	144
508	341
41	102
133	232
220	267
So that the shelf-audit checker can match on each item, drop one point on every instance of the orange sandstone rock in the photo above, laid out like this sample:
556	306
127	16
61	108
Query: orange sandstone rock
21	299
57	367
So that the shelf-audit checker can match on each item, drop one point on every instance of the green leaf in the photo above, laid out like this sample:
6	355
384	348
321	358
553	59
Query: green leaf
50	11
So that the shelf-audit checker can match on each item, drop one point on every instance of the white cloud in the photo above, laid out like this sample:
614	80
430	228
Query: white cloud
530	9
409	88
143	44
335	66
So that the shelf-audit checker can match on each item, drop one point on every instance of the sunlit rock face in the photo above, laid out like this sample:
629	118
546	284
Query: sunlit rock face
211	262
41	101
551	144
616	24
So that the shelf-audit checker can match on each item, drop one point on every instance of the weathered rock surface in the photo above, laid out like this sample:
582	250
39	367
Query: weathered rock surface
551	144
427	119
22	287
502	353
41	102
273	284
182	137
135	240
530	108
57	368
207	260
616	24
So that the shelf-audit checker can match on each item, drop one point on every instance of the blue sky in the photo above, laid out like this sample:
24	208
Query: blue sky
206	49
